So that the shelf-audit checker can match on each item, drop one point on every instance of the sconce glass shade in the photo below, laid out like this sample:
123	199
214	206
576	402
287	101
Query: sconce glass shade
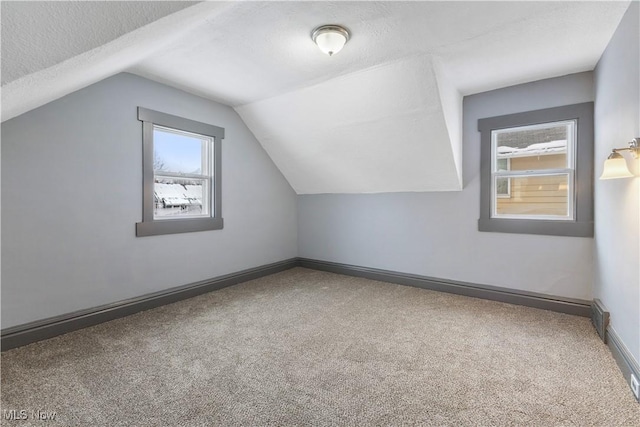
330	38
615	167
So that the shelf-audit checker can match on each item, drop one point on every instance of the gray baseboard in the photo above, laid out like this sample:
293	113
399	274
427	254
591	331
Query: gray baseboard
28	333
623	357
530	299
47	328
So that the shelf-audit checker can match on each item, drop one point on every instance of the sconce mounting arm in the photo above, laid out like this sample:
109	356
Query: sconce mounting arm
634	146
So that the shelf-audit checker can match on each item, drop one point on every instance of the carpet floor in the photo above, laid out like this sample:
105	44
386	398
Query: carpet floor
304	347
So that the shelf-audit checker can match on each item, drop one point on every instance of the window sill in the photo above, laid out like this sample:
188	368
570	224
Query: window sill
174	226
542	227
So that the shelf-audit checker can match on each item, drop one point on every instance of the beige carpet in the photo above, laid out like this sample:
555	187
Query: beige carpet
304	347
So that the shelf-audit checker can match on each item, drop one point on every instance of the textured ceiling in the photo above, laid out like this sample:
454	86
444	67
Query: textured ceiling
257	50
382	115
44	33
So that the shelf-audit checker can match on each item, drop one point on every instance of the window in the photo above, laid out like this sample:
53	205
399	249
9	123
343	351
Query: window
538	162
537	172
181	175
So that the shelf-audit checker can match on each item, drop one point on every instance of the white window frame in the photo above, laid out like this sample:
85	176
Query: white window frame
569	171
207	161
152	226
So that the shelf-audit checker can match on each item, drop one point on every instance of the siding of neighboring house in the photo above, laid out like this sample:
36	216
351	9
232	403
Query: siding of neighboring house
536	195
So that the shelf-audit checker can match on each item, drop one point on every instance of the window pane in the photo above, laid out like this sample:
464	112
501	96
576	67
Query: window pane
179	153
502	187
502	164
503	184
535	195
179	198
534	147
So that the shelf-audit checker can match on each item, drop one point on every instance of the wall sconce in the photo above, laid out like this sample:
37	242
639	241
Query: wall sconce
616	165
330	38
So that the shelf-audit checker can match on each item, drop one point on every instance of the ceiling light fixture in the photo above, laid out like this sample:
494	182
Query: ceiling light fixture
330	38
616	165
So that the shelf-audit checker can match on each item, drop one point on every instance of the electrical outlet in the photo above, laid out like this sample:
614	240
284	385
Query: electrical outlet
635	386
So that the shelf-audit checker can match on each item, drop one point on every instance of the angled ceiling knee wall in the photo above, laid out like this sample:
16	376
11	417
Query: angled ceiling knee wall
389	128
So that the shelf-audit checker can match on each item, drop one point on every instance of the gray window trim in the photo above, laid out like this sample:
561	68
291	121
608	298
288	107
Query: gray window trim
582	226
151	227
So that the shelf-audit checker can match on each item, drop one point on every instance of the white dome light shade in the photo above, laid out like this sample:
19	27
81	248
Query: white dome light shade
615	167
330	43
330	38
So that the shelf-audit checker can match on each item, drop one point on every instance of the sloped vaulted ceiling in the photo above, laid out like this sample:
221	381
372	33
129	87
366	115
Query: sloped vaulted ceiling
382	129
382	115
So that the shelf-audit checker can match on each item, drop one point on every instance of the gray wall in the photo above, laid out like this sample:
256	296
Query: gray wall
72	193
617	202
436	234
